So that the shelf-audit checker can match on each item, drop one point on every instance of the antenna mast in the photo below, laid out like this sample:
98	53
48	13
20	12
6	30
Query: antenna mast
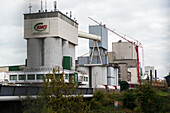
45	5
41	6
30	6
55	5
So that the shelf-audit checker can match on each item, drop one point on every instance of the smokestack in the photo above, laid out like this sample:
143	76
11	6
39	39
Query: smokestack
70	14
151	76
155	75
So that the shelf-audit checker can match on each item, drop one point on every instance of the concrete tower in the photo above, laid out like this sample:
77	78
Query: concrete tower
50	36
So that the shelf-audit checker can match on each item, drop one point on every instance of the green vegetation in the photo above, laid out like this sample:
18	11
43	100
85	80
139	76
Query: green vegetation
143	99
55	97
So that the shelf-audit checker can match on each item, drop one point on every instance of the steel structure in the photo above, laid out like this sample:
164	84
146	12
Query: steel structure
137	44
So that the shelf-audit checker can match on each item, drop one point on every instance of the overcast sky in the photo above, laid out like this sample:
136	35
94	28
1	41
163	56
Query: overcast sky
145	20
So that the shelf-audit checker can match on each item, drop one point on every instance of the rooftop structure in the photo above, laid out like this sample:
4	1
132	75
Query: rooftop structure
50	36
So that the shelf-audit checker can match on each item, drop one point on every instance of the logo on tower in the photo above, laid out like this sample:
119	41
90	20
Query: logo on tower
40	27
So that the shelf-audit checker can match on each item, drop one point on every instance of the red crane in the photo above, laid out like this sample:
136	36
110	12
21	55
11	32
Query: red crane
137	44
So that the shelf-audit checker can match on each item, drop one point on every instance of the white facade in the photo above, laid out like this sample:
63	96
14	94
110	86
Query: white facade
147	71
99	76
57	28
134	77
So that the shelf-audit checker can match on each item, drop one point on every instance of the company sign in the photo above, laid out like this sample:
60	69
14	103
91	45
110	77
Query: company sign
40	27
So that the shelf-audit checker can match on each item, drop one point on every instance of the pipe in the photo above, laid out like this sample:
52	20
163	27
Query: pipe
88	36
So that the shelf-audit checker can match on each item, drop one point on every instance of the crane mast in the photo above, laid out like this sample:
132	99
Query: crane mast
137	45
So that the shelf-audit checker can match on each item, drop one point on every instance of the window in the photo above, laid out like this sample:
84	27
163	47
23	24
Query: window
66	76
40	76
86	79
13	77
22	77
31	77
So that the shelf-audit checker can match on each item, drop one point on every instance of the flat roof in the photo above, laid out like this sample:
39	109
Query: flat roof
51	14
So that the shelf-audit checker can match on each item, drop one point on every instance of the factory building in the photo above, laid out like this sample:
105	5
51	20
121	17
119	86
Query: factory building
123	50
124	55
97	63
51	41
150	73
50	36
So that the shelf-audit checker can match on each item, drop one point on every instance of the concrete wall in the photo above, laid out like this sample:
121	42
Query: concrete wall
65	48
134	77
124	50
57	28
99	76
34	52
123	72
48	52
129	62
72	54
53	52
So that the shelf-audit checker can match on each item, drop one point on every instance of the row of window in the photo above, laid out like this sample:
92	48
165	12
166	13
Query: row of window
32	77
29	77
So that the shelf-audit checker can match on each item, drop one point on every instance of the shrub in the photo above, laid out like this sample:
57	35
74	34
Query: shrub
143	97
129	99
138	109
55	97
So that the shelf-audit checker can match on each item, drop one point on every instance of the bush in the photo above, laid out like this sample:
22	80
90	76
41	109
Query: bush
55	97
129	99
138	109
143	97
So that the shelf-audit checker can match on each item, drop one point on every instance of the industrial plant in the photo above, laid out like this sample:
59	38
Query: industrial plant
51	40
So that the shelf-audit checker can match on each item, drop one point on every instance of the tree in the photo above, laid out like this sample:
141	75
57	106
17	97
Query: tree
56	97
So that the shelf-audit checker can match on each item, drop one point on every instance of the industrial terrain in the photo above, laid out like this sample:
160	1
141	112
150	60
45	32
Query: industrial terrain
106	81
